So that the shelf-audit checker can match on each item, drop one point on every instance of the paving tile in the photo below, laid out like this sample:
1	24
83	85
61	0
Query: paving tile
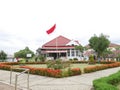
80	82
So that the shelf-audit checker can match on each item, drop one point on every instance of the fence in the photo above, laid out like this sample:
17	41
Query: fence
16	76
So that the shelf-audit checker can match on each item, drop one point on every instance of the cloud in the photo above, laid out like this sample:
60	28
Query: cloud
24	23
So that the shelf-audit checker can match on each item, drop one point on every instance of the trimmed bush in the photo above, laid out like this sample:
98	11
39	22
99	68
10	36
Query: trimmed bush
5	67
76	71
91	59
72	72
75	59
44	71
107	83
97	68
58	64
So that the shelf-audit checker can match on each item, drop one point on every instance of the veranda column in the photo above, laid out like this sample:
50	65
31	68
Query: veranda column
74	53
70	53
46	56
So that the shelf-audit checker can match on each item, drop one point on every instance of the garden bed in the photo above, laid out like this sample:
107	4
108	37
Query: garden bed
59	70
81	66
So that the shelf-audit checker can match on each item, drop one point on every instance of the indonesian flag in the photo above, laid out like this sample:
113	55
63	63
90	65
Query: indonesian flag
51	29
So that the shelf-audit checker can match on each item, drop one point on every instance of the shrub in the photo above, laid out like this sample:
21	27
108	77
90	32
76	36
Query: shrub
72	72
41	58
5	67
75	59
76	71
44	71
107	83
91	59
58	64
50	64
22	60
70	59
96	68
65	73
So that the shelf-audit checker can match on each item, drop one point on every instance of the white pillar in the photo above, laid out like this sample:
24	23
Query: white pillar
70	52
74	53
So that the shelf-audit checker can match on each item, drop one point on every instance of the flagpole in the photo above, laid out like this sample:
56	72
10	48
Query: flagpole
56	47
49	31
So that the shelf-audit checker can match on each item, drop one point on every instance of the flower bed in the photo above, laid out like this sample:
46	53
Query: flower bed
75	71
58	73
43	71
53	73
97	68
83	61
5	67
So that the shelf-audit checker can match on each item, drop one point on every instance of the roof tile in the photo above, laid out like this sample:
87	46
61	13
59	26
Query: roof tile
59	41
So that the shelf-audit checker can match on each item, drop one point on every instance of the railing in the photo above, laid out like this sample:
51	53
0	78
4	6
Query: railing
16	76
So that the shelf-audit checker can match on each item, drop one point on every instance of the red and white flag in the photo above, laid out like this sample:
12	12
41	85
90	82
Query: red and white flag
51	29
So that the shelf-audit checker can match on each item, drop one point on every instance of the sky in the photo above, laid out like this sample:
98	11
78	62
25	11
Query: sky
25	22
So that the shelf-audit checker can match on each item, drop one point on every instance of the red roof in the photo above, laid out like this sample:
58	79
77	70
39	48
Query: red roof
114	45
59	47
59	41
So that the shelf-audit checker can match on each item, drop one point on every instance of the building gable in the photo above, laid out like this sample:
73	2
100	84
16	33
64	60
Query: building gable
59	41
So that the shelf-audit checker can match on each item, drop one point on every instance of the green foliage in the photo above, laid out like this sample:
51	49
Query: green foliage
118	57
70	72
99	44
91	59
80	48
70	59
58	64
55	64
101	67
76	59
23	53
41	58
50	64
22	60
107	83
3	55
106	52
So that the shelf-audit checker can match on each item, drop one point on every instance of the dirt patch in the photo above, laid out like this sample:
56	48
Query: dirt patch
4	86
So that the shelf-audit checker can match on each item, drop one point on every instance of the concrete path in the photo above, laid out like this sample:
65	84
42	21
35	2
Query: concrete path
81	82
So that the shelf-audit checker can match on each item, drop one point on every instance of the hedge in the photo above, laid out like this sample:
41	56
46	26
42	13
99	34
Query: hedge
43	71
102	67
107	83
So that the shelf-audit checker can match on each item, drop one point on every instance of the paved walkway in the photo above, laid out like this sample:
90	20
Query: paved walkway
81	82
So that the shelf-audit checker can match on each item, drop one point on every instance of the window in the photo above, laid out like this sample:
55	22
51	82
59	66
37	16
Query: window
68	52
77	53
72	51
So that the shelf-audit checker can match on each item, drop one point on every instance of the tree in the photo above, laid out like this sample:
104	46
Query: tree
23	53
106	53
80	48
38	51
99	44
3	55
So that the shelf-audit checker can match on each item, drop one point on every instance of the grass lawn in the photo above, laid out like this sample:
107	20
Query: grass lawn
81	66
